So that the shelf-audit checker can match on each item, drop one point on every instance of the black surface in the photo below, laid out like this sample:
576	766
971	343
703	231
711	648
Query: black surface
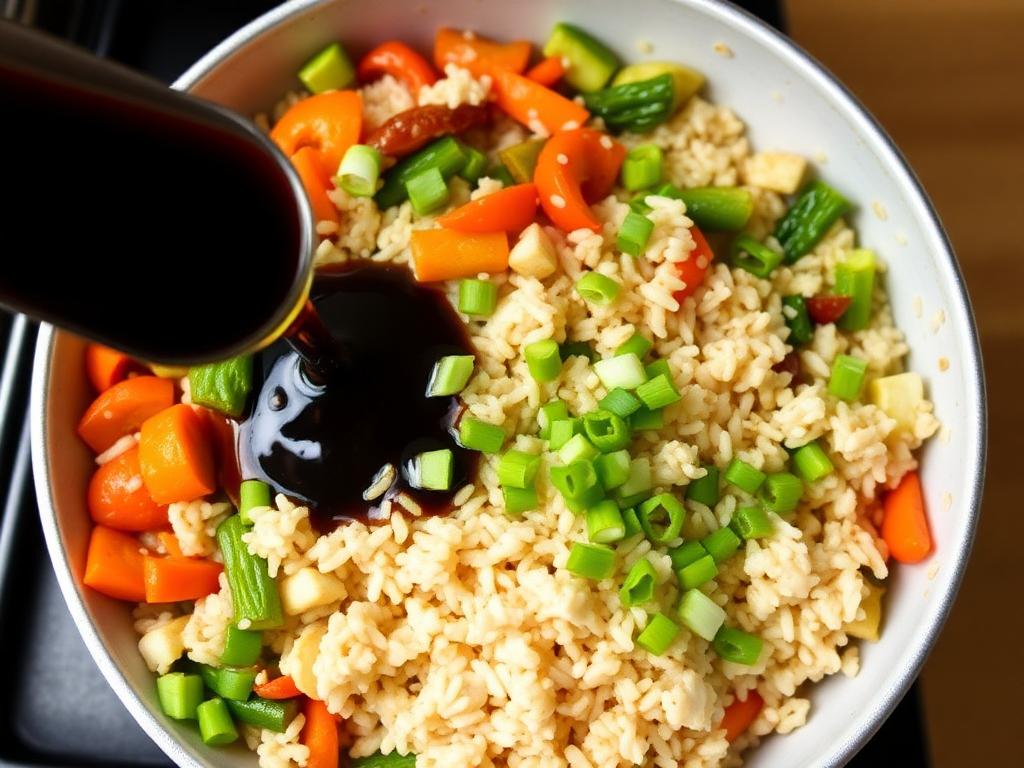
56	710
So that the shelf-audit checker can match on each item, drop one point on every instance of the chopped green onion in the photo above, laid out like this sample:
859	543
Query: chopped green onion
752	523
604	523
781	492
686	553
543	360
606	430
639	204
254	595
658	635
847	377
754	257
480	436
637	106
642	167
744	476
446	155
661	517
562	431
634	234
215	723
659	367
598	289
855	277
359	170
621	402
500	173
578	449
180	695
548	415
329	70
700	571
624	371
645	419
568	349
638	586
519	500
578	483
223	386
450	375
639	480
716	209
637	344
613	468
631	523
658	392
702	615
704	490
433	470
591	561
518	469
476	163
228	682
794	312
737	646
241	647
477	297
811	462
427	191
721	544
815	209
263	713
252	494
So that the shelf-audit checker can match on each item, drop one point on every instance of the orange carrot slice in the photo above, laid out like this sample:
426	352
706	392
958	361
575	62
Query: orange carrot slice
444	254
905	523
170	579
279	688
117	497
320	735
740	714
114	565
105	366
176	457
507	210
122	408
479	54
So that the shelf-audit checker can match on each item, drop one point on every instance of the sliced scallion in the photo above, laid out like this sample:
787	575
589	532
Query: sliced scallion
450	375
359	170
604	523
812	463
518	469
738	646
427	191
781	492
658	635
595	288
635	233
744	476
700	614
624	371
543	360
847	377
480	436
591	561
638	586
661	517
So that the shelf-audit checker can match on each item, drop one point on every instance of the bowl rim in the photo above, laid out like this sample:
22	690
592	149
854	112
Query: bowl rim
864	725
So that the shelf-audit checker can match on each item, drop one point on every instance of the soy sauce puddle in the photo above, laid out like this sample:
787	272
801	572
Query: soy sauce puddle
322	439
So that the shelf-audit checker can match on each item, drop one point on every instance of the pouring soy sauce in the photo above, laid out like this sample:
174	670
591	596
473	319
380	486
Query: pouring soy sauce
175	231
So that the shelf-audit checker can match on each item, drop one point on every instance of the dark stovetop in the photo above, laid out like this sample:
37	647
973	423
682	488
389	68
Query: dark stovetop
57	710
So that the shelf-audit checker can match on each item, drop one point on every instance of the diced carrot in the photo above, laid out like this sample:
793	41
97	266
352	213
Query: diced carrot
320	735
329	122
316	181
122	408
221	434
175	456
279	688
548	72
118	498
105	366
507	210
170	579
695	268
114	565
401	62
905	524
534	105
170	542
740	714
479	54
444	254
576	168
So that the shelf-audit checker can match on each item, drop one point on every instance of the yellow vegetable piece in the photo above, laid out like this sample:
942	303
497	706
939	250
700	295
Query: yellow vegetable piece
869	627
169	371
685	81
899	396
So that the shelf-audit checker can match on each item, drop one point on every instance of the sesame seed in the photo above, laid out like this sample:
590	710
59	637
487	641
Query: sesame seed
901	238
918	305
879	210
468	34
566	63
943	364
108	414
723	50
558	201
947	500
570	125
702	262
645	46
532	114
606	142
562	158
245	623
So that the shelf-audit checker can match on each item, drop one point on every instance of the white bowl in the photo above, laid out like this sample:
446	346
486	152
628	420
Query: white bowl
788	102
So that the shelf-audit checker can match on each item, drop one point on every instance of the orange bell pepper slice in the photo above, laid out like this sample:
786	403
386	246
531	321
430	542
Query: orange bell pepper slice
905	523
176	457
548	72
740	714
576	168
329	122
444	254
507	210
694	269
282	687
316	181
400	61
320	735
535	106
479	54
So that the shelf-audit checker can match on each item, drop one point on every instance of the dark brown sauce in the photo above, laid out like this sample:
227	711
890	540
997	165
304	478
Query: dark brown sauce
322	444
170	240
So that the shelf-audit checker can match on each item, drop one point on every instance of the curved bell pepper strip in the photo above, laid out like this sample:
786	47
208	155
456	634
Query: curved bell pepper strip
576	168
547	72
277	689
105	367
538	108
118	499
401	62
172	579
329	122
694	269
508	210
740	714
113	565
905	523
479	54
122	409
320	735
316	180
444	254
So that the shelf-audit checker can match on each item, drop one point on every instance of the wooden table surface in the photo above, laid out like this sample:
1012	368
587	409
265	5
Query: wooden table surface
945	79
